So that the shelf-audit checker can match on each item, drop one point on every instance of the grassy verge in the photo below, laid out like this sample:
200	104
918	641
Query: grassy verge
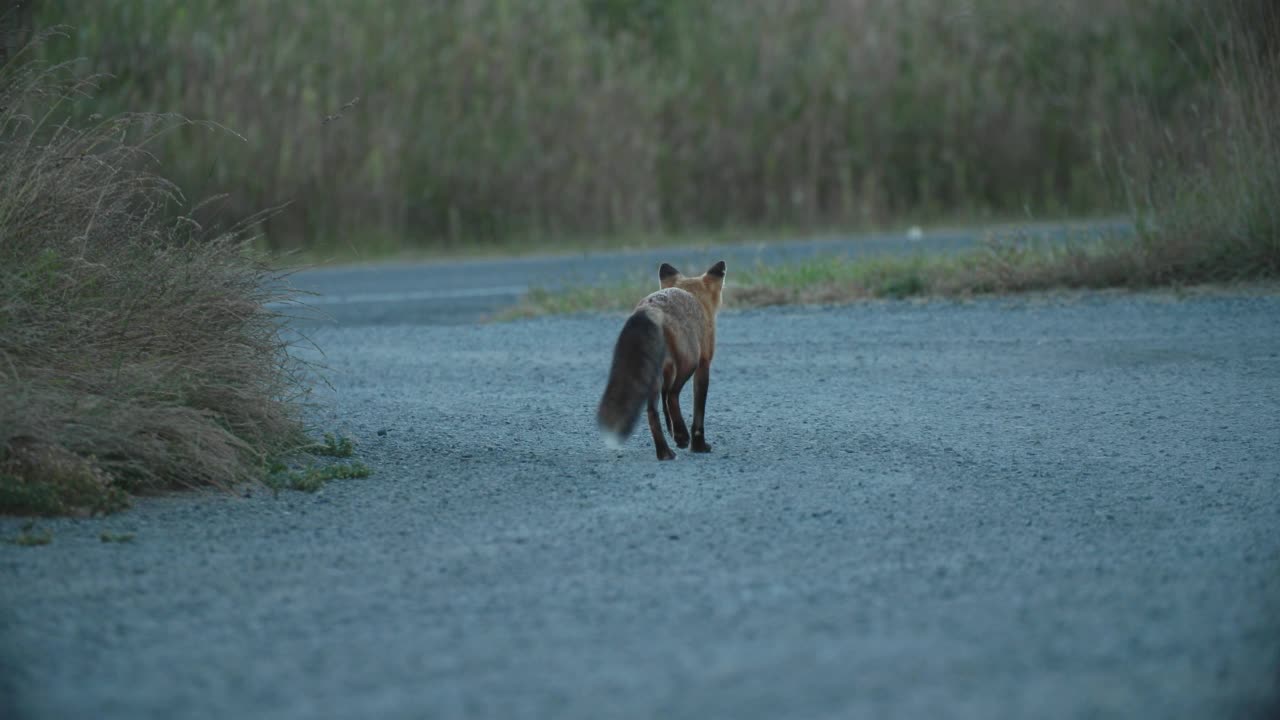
1152	259
136	350
358	251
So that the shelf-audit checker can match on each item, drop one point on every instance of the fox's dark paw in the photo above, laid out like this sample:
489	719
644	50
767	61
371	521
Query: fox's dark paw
666	454
700	446
682	441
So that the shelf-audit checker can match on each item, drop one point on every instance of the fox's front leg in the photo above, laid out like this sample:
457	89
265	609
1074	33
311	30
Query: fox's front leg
701	379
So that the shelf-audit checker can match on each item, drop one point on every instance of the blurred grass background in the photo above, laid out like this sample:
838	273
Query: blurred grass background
508	123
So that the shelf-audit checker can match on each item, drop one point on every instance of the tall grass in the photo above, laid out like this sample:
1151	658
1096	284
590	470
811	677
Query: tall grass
1204	185
1209	191
484	121
135	350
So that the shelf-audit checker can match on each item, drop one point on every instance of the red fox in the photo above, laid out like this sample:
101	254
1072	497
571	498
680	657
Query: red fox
670	337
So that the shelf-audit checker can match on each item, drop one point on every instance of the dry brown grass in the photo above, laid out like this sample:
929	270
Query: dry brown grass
136	352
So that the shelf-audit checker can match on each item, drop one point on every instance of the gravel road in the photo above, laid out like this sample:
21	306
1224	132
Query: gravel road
1037	507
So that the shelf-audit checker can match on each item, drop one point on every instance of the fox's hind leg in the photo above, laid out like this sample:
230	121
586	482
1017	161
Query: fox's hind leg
701	381
675	418
655	427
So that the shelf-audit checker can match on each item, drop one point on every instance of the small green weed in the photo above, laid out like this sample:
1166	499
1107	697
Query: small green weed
30	536
333	446
309	475
314	477
107	537
349	471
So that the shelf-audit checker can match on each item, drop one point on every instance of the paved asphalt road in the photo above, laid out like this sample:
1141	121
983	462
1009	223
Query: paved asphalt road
470	291
1036	507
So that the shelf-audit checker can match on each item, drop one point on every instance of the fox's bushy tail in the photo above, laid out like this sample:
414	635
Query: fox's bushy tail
637	363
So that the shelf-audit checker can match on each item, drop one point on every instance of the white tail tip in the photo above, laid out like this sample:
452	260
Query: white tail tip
612	440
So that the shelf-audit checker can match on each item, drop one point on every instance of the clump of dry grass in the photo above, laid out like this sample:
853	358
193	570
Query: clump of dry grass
136	350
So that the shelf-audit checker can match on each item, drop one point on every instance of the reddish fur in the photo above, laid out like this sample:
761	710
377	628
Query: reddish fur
685	310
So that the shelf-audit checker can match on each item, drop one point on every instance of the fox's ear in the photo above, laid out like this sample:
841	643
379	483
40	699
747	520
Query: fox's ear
717	270
667	275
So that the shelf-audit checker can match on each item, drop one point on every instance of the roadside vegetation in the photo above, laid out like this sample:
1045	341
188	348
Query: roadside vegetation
136	351
1201	179
482	126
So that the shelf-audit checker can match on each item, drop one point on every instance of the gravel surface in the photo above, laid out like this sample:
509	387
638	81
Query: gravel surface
1044	507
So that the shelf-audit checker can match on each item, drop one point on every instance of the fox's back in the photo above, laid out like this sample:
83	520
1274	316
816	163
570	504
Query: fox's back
683	319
